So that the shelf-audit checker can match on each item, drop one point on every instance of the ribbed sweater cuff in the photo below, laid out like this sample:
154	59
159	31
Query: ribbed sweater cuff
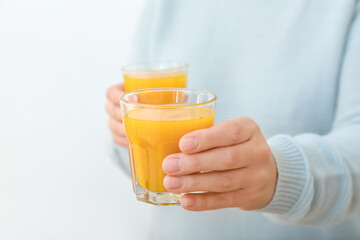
291	198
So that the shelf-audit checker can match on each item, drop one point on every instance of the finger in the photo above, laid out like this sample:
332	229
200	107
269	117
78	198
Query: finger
116	127
231	132
120	140
221	181
210	200
114	111
244	199
217	159
114	93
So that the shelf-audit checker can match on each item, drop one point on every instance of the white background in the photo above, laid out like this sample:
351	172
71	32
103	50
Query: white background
57	181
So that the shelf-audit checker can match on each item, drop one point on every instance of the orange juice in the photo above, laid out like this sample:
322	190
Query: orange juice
154	80
155	133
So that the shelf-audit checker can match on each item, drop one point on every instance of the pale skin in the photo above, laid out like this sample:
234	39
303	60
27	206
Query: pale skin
231	162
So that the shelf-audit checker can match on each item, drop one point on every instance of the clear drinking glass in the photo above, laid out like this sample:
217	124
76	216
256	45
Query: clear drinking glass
154	121
155	75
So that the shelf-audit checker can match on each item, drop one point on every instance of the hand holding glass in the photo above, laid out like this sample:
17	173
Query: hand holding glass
154	121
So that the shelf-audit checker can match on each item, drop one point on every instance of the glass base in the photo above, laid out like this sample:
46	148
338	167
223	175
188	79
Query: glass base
158	198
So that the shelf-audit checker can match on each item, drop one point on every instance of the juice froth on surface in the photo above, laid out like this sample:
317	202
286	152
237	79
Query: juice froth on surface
154	80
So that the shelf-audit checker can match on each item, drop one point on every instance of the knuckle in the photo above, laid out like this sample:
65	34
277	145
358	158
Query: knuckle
249	121
195	164
262	177
192	183
252	124
233	199
226	181
122	141
114	93
235	130
220	201
256	128
231	158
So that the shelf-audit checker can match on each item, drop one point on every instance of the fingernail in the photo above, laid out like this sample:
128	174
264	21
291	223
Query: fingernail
173	182
187	201
189	143
172	164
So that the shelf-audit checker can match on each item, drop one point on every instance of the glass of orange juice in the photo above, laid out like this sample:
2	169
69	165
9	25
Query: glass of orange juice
154	128
155	75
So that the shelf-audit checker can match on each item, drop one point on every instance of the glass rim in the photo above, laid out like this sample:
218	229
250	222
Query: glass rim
179	65
146	105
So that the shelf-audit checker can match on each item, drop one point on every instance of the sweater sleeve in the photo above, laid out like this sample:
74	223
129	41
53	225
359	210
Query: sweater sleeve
144	36
319	176
138	52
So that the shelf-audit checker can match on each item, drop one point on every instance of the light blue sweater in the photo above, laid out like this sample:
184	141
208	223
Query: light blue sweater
294	67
